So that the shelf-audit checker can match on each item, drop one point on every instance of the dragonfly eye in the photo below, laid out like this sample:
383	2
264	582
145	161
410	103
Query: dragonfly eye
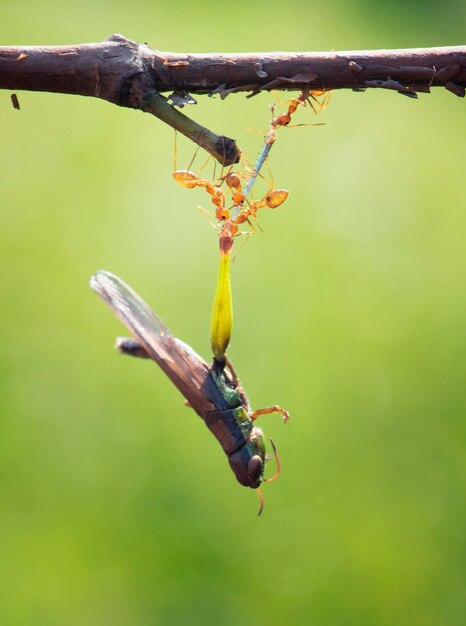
255	469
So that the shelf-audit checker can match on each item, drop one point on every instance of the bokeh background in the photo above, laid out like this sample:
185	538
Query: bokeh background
116	504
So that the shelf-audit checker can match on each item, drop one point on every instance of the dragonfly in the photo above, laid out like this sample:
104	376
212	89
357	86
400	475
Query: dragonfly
213	391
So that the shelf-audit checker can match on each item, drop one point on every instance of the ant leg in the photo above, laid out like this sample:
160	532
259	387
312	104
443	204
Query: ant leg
326	100
175	157
270	409
246	164
175	153
208	216
192	160
185	178
205	164
255	131
276	95
270	182
132	347
311	104
253	227
248	234
223	176
296	125
322	104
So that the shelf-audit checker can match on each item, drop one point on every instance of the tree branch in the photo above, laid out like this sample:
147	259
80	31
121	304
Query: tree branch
133	75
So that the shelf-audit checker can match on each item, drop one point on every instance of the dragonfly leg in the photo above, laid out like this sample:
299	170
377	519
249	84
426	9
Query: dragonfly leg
270	409
229	364
236	380
126	345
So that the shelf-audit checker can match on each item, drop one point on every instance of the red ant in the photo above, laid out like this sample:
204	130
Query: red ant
272	199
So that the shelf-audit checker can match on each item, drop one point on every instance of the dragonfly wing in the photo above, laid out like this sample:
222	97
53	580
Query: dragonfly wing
183	366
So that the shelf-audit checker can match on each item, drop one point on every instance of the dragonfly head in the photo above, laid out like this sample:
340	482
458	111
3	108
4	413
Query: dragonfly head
248	463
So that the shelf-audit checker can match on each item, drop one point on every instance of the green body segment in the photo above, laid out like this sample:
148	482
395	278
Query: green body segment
222	311
242	442
230	420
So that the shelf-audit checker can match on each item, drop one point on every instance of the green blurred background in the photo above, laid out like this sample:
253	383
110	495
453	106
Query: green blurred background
117	506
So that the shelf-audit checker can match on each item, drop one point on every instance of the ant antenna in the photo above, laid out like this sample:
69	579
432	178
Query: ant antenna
261	498
277	471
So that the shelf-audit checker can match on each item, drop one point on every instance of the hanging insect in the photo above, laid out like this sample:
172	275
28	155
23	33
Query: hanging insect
214	392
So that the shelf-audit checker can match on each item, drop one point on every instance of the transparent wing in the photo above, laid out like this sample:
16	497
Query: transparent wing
185	368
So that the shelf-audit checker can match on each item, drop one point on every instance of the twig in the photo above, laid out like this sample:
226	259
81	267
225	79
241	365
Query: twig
262	156
222	148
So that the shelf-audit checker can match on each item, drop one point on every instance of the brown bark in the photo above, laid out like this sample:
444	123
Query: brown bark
127	74
112	70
